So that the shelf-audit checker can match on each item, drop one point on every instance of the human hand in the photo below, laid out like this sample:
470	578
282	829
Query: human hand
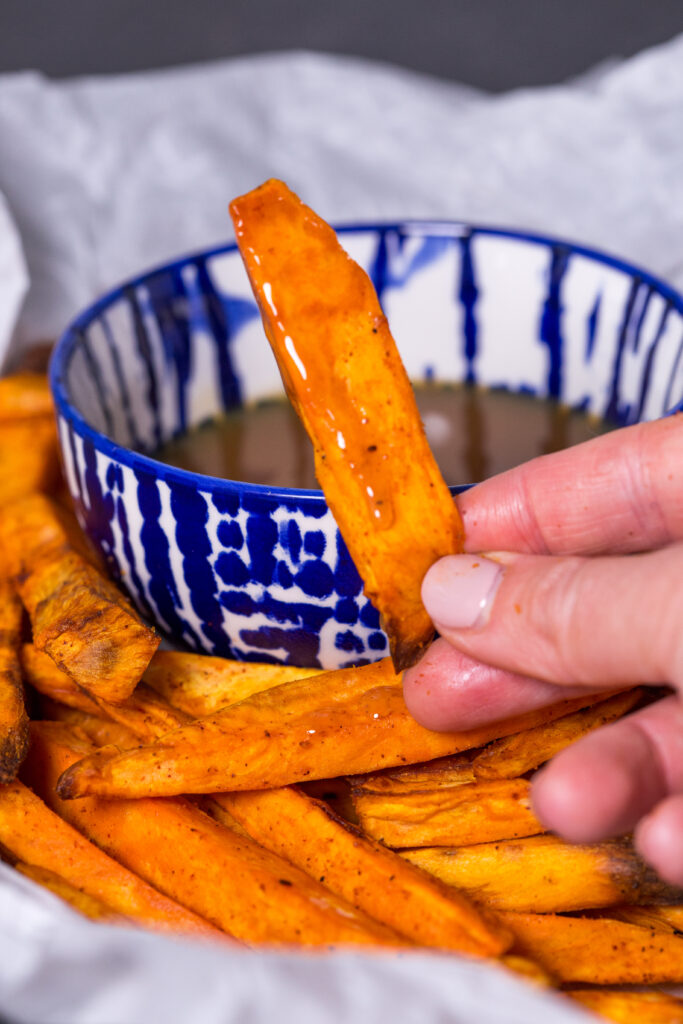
586	596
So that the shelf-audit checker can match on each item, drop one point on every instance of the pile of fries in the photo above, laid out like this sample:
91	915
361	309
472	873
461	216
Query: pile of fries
268	805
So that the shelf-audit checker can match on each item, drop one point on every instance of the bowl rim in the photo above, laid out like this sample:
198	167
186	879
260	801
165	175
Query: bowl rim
65	346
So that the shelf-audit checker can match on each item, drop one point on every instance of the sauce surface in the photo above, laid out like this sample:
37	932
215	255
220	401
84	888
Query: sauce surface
474	433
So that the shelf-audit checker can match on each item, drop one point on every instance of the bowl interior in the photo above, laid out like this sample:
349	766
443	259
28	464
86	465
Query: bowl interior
504	310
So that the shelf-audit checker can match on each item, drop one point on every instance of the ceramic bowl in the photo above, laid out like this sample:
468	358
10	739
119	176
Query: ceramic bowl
260	573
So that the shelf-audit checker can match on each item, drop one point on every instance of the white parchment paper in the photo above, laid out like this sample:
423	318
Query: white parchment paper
103	177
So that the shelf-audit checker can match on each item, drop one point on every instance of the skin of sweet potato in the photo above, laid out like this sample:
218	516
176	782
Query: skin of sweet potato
543	874
348	721
346	380
232	881
78	617
33	833
13	717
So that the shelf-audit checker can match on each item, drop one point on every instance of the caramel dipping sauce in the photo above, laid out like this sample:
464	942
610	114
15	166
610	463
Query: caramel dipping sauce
473	432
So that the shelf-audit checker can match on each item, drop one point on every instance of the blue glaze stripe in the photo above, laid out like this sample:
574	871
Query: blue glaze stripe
649	358
615	411
144	351
217	317
551	320
468	293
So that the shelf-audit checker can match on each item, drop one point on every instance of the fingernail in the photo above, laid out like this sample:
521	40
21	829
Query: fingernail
458	590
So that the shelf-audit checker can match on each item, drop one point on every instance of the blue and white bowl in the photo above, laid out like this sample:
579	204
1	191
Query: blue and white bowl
260	573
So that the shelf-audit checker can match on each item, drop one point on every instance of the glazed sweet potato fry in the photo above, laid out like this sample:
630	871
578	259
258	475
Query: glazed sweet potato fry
598	951
78	617
308	833
348	721
82	902
515	755
13	718
145	713
200	685
543	874
345	378
25	396
630	1007
480	813
32	833
234	883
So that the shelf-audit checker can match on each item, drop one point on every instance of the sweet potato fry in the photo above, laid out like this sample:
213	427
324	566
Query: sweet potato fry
308	833
31	832
29	457
78	617
234	883
13	718
480	813
145	713
598	951
200	685
544	874
25	396
441	773
515	755
630	1007
348	721
345	378
82	902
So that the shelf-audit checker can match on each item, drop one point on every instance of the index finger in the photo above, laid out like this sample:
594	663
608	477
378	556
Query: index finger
617	493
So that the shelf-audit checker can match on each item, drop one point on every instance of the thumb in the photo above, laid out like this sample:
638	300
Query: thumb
594	622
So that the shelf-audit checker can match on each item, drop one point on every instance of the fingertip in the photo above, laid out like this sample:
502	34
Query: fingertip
599	787
659	839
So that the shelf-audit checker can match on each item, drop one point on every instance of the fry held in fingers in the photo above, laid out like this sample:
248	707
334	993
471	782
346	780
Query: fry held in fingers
345	378
78	617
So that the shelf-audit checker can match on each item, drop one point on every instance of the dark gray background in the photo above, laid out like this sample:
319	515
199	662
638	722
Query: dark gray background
493	44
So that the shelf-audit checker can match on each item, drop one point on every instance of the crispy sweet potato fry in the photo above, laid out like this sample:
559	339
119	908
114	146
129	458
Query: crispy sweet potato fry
200	685
348	721
25	396
598	951
308	833
250	892
83	902
13	718
345	378
145	713
630	1007
515	755
544	874
78	617
29	457
31	832
465	814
